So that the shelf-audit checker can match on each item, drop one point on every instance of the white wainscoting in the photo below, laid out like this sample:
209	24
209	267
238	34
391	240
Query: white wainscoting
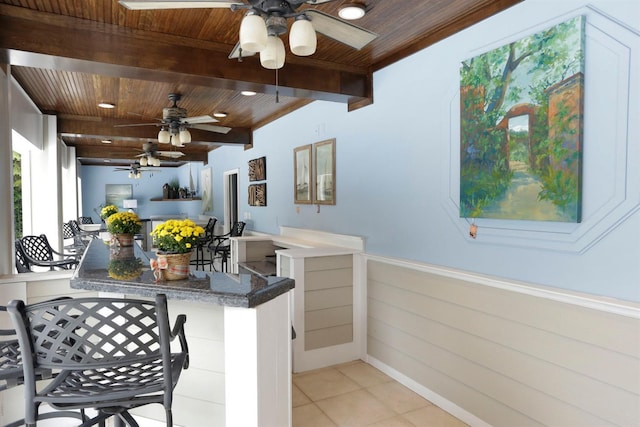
494	352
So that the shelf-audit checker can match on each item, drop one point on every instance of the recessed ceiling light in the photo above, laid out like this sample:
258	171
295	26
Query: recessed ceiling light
220	114
106	105
351	12
106	141
248	92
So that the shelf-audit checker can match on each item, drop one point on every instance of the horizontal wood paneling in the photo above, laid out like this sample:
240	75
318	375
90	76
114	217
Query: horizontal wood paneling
328	301
506	357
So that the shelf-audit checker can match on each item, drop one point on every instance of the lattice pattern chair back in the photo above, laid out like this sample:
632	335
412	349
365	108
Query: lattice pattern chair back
110	354
67	231
107	329
22	264
85	220
38	251
37	247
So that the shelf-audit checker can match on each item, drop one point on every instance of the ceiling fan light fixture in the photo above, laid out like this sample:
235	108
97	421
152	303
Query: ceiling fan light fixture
185	136
302	38
143	161
272	57
138	175
155	162
130	174
253	33
352	11
163	136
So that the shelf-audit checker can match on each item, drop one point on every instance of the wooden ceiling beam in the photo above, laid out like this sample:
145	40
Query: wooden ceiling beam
43	40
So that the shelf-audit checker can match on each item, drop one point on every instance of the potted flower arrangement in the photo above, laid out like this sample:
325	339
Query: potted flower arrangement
107	211
122	226
174	240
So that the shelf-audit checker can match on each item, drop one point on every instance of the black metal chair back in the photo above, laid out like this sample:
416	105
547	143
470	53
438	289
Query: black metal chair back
38	251
221	246
111	354
22	264
11	371
85	220
202	243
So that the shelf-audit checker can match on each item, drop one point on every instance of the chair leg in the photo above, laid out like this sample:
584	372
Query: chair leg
169	418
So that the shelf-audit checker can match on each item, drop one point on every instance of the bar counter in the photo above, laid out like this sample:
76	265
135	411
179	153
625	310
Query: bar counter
233	290
239	333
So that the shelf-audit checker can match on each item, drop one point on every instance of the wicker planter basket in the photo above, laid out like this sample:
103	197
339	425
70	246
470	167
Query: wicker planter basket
177	266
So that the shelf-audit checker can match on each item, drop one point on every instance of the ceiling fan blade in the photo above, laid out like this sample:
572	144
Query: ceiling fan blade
137	124
213	128
199	119
172	154
235	52
339	30
175	4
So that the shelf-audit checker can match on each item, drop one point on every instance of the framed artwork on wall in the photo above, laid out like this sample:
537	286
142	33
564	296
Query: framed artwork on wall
115	194
324	171
302	188
521	128
258	194
258	169
206	184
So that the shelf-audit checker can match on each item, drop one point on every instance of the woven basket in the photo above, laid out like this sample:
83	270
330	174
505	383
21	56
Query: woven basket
177	266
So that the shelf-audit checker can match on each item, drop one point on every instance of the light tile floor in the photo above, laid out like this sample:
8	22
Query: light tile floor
357	394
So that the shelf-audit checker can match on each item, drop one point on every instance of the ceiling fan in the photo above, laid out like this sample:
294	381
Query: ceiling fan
266	20
150	154
175	122
135	170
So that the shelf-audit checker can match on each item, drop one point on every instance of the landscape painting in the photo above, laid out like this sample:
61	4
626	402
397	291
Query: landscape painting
521	130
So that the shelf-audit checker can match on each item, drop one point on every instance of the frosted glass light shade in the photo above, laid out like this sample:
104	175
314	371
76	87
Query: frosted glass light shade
164	137
272	57
185	136
302	38
143	161
253	33
155	162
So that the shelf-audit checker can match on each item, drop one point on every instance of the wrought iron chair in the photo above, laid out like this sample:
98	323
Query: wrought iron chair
38	252
22	265
68	232
111	354
202	243
220	247
85	220
11	372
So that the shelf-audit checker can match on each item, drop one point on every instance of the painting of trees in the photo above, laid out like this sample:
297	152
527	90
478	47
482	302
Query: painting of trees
521	109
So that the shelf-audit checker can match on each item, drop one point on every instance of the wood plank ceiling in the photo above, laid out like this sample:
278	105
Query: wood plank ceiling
69	55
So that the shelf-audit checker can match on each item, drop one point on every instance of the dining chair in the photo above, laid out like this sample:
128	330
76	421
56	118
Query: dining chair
202	243
85	220
22	264
11	372
68	233
110	354
38	252
220	247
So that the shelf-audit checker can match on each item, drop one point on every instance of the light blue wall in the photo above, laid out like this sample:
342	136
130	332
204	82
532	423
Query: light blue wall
94	178
395	177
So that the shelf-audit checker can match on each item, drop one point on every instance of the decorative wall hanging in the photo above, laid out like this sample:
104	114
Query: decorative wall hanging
258	169
258	194
206	184
521	112
324	161
302	188
115	194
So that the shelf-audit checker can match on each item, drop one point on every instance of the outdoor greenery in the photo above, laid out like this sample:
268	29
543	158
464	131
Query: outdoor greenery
497	80
17	194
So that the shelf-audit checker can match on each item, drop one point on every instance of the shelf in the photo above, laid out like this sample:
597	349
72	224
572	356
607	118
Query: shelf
160	199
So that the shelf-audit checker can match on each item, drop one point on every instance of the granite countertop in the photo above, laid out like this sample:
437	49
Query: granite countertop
235	290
